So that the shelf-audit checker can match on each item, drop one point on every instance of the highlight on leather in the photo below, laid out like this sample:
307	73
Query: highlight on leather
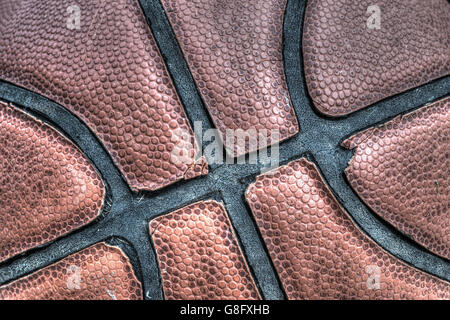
401	171
100	272
234	52
359	52
48	187
198	255
317	250
99	60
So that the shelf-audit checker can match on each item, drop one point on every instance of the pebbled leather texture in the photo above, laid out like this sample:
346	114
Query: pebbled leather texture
349	66
109	73
100	272
318	251
234	51
400	170
198	255
48	187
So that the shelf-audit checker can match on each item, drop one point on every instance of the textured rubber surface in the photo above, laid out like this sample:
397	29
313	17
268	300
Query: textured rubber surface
127	214
349	66
48	188
317	250
234	51
198	255
109	73
100	272
400	170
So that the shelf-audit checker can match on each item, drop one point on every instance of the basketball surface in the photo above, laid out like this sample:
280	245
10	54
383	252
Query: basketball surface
208	149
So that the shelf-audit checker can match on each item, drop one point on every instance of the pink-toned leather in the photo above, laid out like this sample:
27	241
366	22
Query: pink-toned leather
318	251
350	63
401	171
48	188
109	73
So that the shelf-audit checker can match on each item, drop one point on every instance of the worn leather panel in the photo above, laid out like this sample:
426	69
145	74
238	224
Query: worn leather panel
198	255
234	51
109	73
48	188
318	251
401	171
100	272
349	66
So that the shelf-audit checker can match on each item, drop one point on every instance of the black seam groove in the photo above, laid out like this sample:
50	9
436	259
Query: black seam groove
130	215
112	240
403	113
410	252
76	130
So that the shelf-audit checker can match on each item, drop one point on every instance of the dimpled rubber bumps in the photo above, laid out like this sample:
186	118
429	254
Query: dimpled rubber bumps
100	272
234	51
47	187
350	64
109	73
199	256
318	251
400	170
